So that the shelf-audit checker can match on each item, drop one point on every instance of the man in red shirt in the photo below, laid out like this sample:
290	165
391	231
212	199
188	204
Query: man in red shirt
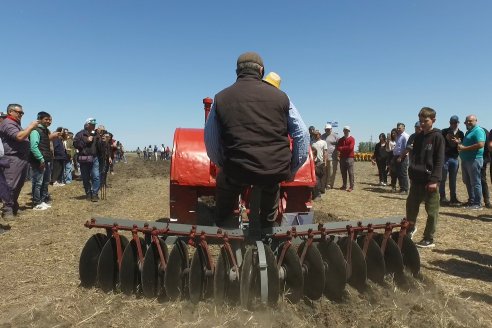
345	149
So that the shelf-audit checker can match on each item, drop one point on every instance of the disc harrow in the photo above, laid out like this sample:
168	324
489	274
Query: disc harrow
175	261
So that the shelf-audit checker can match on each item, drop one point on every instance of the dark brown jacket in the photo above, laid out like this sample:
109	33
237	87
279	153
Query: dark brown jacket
253	121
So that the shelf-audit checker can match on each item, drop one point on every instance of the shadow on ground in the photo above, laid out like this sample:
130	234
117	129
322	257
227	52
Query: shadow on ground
472	256
462	269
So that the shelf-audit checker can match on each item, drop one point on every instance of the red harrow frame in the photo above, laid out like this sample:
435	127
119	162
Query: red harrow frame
296	259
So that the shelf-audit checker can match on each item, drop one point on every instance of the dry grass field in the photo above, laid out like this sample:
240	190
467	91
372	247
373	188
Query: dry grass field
40	284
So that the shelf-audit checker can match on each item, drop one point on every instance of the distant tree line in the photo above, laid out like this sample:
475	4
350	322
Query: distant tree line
367	147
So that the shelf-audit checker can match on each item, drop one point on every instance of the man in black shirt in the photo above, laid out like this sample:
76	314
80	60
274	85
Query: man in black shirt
452	137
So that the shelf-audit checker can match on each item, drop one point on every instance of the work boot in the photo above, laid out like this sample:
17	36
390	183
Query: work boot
95	198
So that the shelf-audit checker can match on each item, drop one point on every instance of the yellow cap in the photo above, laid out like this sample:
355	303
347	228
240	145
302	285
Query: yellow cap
274	79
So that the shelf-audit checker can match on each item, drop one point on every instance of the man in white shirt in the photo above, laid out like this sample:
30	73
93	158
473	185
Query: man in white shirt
401	158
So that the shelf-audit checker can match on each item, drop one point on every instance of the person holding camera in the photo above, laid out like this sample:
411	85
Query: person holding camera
452	137
16	150
87	141
60	158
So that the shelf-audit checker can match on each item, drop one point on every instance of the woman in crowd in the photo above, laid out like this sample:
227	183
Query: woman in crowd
380	158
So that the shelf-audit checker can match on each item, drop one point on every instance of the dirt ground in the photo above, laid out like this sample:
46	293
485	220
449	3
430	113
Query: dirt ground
40	283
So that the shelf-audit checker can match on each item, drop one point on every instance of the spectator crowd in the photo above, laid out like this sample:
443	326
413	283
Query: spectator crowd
419	165
154	153
49	158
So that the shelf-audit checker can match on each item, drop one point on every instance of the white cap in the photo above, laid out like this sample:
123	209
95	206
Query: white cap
346	127
90	120
327	126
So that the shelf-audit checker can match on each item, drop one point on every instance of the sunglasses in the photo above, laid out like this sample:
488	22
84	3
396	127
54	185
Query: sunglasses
18	112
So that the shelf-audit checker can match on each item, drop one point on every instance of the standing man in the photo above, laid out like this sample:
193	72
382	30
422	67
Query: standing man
425	171
16	147
87	142
483	171
471	154
452	136
322	158
331	139
400	158
41	162
259	156
345	147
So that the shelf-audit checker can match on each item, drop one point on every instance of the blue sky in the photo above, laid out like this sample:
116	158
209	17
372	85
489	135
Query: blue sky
142	68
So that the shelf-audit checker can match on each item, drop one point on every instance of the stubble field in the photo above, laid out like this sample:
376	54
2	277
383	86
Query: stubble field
40	283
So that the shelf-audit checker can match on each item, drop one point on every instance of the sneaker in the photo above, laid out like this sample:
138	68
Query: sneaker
424	243
328	187
403	192
46	205
40	207
393	189
95	198
444	202
383	184
411	232
350	190
476	207
454	203
58	184
342	188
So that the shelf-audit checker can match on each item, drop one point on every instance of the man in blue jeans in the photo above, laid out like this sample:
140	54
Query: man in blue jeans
471	154
452	136
88	144
41	160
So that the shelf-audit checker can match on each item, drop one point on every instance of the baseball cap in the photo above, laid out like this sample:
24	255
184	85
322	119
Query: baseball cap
454	118
346	127
327	126
417	124
90	120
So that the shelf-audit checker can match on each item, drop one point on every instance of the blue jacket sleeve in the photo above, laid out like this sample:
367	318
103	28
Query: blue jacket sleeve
212	138
300	137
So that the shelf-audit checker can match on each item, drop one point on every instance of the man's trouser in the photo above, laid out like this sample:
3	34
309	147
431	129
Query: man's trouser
40	182
90	176
330	172
15	176
416	196
470	171
450	167
227	200
485	185
402	170
347	166
320	172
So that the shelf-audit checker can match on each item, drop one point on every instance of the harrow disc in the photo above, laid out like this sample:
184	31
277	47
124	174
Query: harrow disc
130	269
175	279
335	269
411	256
314	271
358	269
200	284
376	268
153	271
293	283
224	288
107	267
89	259
392	255
250	278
